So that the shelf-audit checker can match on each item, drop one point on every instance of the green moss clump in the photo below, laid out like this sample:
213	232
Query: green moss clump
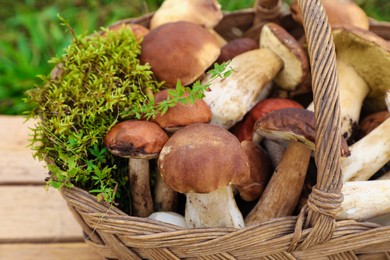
98	82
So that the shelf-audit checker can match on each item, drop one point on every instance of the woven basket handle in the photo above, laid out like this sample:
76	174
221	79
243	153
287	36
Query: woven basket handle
266	10
325	199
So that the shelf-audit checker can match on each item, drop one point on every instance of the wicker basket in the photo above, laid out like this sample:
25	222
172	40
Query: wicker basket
314	234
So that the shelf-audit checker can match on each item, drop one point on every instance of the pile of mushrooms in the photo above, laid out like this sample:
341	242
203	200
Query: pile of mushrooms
243	142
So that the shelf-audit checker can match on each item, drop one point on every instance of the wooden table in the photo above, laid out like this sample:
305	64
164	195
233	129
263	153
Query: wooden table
35	222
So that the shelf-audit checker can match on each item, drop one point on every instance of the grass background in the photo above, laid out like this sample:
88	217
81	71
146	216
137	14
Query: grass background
31	35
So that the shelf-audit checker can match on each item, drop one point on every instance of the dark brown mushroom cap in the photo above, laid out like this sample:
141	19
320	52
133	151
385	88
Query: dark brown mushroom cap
202	158
181	114
236	47
179	51
136	139
294	124
261	170
371	121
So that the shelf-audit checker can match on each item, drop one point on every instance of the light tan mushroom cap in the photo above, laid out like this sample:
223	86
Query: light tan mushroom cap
179	51
295	60
136	139
207	13
339	12
369	55
202	158
181	114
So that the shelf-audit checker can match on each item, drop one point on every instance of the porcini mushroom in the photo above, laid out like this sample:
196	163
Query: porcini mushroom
176	117
295	62
181	114
363	60
280	56
236	47
179	51
139	141
368	155
206	13
139	30
202	161
244	129
260	171
250	81
339	12
282	193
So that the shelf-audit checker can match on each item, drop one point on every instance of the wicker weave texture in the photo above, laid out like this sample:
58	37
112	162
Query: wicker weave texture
314	234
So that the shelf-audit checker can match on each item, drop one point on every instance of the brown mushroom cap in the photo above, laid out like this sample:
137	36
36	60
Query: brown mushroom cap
236	47
371	121
261	170
244	129
181	114
136	139
139	31
179	51
369	55
296	124
295	60
202	158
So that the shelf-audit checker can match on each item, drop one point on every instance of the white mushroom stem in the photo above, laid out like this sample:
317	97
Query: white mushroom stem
368	155
231	98
215	209
365	199
352	92
141	196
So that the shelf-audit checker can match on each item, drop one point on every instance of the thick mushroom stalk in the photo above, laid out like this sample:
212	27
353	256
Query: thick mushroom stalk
214	209
365	199
368	155
202	161
280	57
363	59
231	98
283	191
139	141
295	61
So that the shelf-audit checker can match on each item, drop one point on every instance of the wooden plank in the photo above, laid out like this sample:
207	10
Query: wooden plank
57	251
17	165
32	214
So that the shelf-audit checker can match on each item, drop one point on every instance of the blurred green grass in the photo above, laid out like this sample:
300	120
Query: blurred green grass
31	35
